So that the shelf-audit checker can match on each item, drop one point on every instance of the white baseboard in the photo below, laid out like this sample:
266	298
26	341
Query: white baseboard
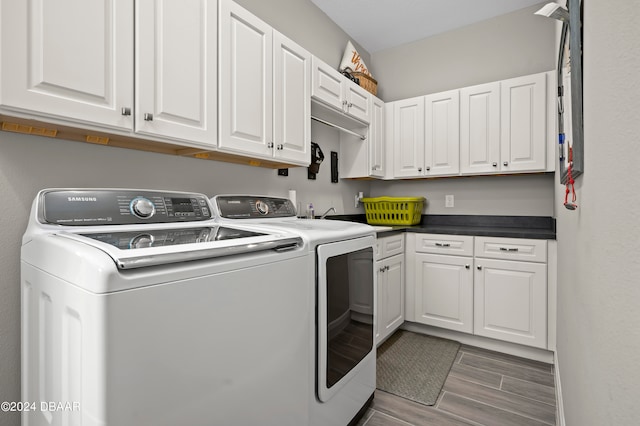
528	352
559	403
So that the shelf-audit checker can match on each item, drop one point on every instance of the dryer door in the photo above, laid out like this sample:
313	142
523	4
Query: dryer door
346	311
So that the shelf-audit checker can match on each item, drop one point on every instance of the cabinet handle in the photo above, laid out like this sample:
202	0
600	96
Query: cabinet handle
270	145
495	164
125	111
280	147
419	169
382	269
443	245
350	105
506	163
508	249
467	266
386	268
479	267
428	168
376	167
148	117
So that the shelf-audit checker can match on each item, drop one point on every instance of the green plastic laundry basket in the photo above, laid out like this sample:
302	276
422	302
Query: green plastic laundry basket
393	210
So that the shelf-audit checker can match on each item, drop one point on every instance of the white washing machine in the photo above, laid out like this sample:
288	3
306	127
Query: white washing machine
139	309
343	363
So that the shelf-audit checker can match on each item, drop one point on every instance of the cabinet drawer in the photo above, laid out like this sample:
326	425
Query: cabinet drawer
460	245
390	246
511	249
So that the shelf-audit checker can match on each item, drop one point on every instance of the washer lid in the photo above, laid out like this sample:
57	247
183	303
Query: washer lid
151	247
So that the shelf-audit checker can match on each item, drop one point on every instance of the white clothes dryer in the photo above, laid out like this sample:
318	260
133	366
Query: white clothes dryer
341	271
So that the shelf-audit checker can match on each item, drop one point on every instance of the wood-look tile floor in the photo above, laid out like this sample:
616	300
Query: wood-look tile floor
483	388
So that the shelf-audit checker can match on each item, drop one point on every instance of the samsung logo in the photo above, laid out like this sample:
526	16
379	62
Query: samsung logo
89	199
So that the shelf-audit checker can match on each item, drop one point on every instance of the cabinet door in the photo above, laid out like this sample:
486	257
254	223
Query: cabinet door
292	101
69	59
246	86
510	301
408	137
176	78
376	138
357	101
390	295
442	134
444	291
523	112
327	84
480	129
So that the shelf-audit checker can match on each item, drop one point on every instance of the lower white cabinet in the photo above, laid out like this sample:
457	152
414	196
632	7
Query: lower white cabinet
510	295
391	286
444	291
488	286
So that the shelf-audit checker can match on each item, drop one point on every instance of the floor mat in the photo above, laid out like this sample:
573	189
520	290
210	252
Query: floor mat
415	366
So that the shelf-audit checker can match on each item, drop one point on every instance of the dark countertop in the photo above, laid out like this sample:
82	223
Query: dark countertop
536	227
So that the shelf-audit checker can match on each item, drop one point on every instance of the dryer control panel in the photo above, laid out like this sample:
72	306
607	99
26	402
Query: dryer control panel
86	207
253	207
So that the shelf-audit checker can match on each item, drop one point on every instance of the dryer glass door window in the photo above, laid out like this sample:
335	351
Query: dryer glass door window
345	314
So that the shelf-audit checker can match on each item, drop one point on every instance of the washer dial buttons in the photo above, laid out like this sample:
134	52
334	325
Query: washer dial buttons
142	207
262	207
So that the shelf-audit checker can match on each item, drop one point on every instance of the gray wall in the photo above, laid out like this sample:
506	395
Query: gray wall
526	195
511	45
302	21
599	266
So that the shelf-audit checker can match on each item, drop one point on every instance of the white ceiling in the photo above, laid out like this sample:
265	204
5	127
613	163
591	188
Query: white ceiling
382	24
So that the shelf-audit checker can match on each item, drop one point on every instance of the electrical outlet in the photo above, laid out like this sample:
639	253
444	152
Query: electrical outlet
448	201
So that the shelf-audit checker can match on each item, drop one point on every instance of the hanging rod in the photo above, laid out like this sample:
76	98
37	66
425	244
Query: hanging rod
351	132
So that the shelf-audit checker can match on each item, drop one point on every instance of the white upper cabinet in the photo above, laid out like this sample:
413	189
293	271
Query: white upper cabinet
264	102
176	46
365	157
246	82
327	84
426	136
503	126
523	118
292	101
499	127
377	160
333	89
71	60
408	137
74	61
357	101
442	134
480	129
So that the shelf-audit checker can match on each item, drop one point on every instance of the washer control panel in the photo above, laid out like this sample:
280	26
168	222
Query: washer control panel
253	207
85	207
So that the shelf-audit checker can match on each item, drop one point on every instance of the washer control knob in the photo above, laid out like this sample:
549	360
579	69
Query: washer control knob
142	207
262	207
